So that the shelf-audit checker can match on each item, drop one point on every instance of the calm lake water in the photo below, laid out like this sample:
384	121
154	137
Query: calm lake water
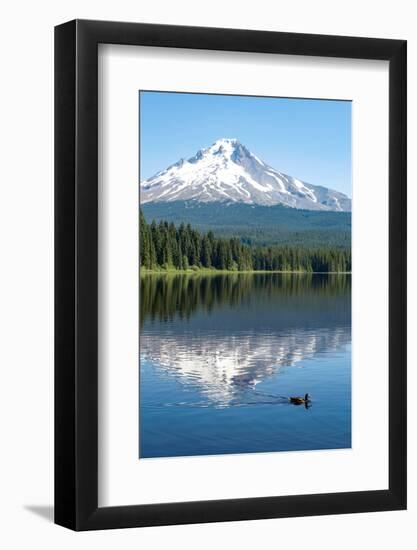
221	354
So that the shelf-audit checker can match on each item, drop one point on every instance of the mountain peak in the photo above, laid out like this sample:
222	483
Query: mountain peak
225	141
228	172
225	147
226	144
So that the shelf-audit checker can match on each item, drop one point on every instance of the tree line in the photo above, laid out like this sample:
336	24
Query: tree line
166	246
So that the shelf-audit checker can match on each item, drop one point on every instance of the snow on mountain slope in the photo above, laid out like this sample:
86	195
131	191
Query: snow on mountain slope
228	172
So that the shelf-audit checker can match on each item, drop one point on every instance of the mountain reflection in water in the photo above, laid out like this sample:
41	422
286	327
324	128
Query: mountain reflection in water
221	341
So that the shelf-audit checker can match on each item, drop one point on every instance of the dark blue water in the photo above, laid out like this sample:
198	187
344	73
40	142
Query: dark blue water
221	354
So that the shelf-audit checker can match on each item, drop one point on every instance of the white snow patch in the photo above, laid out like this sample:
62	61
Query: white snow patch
258	159
304	189
283	189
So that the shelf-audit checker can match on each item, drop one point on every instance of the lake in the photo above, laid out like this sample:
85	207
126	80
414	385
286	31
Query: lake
220	355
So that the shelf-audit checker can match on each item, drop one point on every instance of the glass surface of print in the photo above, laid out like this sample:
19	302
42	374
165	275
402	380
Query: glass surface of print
245	274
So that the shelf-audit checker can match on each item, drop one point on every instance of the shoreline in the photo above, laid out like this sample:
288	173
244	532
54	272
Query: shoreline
205	271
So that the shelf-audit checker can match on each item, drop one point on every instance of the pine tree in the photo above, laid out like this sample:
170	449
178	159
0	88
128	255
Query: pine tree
206	252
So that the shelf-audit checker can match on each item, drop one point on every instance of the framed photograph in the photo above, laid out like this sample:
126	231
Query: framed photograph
230	275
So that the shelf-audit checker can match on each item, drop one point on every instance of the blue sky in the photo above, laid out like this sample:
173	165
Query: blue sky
307	139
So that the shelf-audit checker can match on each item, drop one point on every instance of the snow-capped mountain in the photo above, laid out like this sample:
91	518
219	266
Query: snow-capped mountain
228	172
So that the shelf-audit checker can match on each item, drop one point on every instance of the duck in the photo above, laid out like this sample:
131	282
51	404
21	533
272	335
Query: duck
300	400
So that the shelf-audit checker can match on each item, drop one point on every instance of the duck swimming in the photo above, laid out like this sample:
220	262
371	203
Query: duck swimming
300	400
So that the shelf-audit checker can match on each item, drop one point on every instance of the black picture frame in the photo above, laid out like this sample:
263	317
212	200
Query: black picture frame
76	272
